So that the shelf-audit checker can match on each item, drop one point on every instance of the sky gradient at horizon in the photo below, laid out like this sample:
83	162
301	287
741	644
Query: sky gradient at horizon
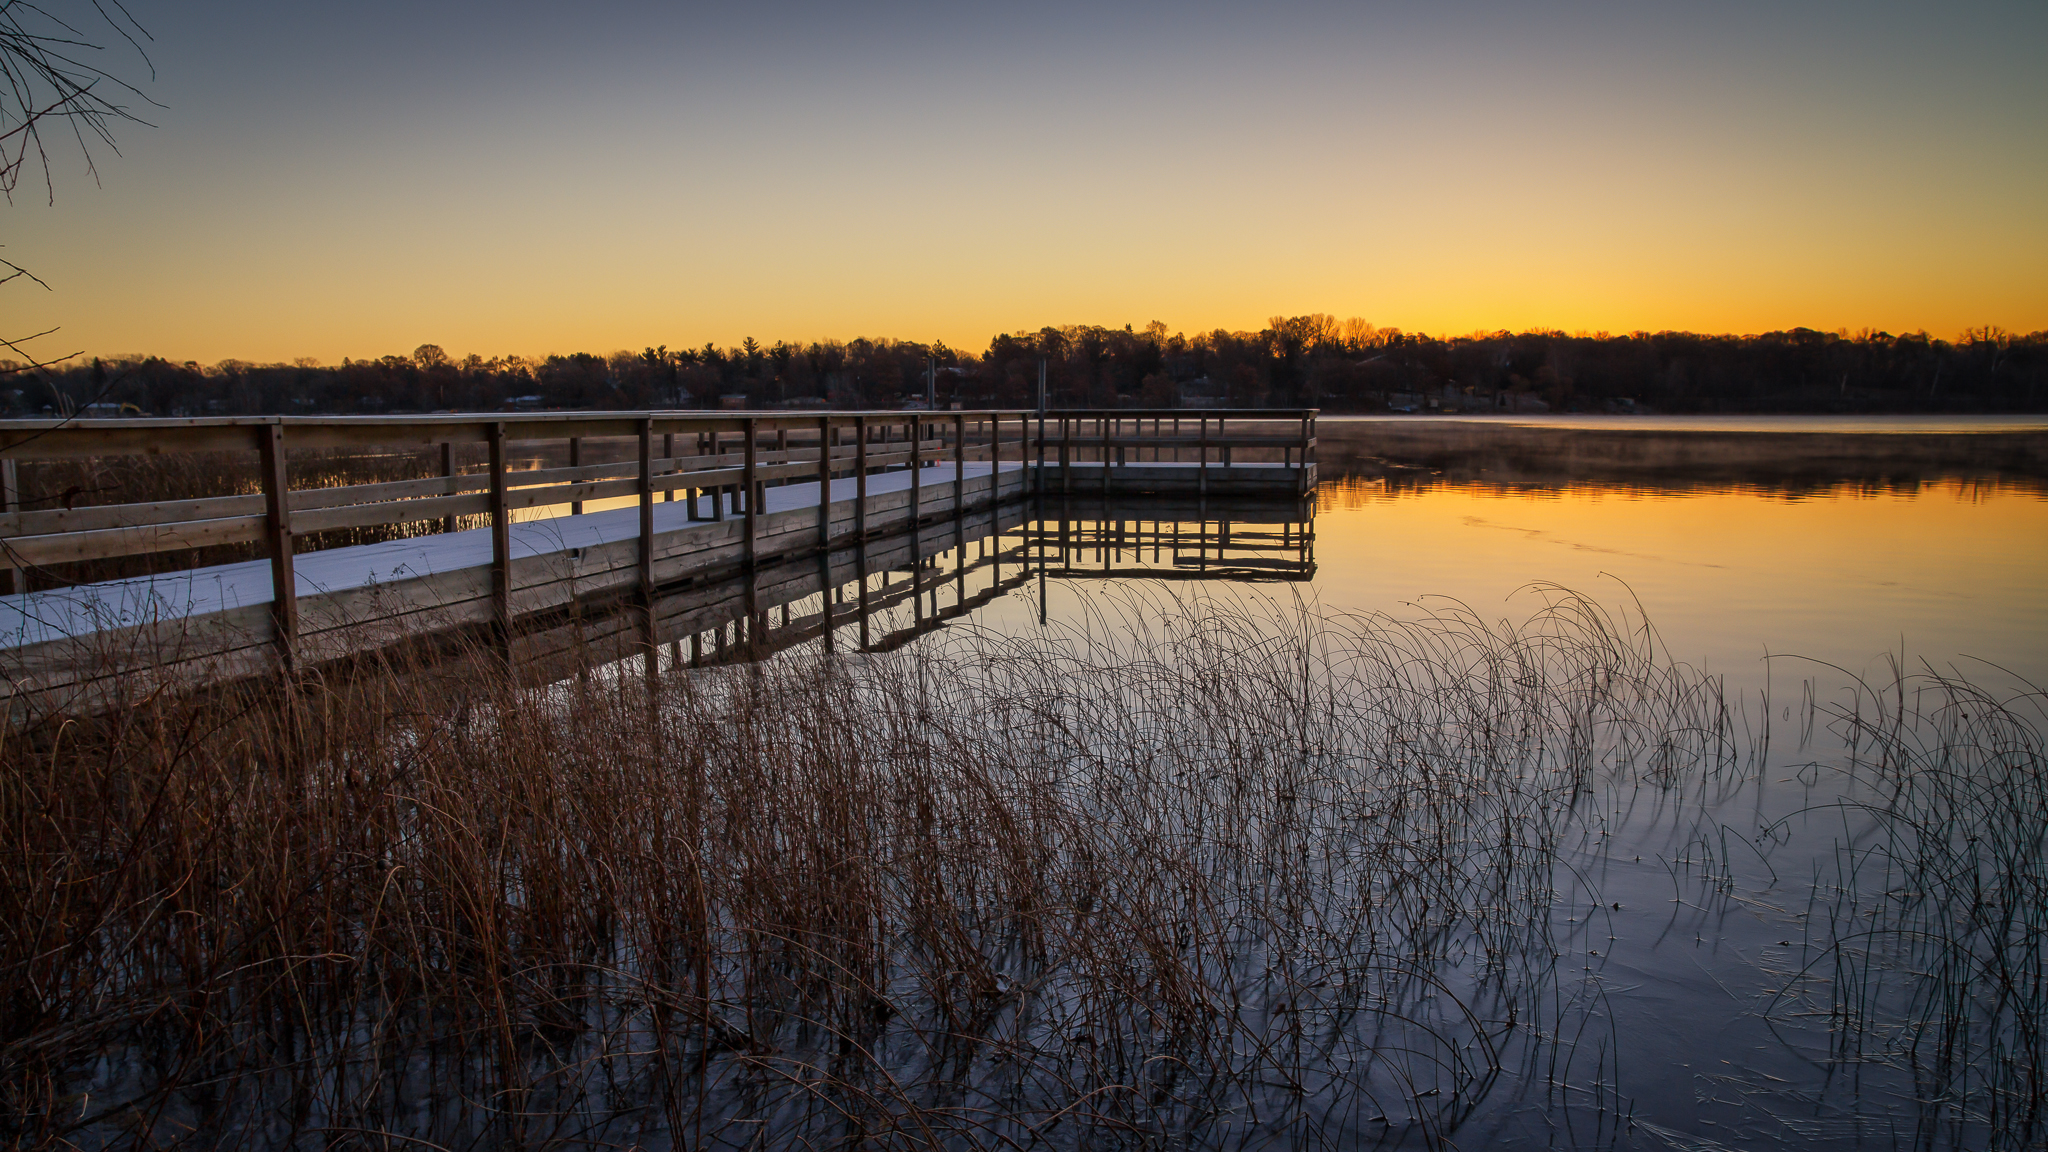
334	181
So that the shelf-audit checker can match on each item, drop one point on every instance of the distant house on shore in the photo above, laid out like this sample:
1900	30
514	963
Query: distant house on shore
1202	392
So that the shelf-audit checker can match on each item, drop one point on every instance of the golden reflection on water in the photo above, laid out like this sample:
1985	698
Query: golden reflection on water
1843	572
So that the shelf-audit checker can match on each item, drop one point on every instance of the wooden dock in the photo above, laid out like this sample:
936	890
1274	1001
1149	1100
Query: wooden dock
526	558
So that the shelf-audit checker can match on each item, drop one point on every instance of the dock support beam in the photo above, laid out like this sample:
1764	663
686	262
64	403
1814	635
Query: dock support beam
277	541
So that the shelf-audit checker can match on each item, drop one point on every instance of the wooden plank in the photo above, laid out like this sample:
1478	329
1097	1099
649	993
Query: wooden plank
343	495
48	521
52	440
442	508
68	547
43	522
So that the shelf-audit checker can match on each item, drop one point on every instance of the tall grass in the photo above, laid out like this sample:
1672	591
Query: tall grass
1930	934
1188	874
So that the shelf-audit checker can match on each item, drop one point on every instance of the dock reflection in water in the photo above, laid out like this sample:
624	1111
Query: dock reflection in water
908	584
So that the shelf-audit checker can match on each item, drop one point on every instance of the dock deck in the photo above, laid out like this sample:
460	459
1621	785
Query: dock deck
710	516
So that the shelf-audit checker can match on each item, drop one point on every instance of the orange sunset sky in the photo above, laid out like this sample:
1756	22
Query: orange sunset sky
354	180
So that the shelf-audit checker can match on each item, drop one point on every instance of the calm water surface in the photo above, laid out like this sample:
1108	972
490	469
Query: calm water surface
1948	571
1698	927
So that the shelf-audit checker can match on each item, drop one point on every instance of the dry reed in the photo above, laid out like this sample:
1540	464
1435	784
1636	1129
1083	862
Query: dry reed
1188	875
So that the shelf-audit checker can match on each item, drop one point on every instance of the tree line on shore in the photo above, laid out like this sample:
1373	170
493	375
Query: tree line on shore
1301	361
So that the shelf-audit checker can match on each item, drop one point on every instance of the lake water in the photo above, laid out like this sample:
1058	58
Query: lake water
1749	956
1944	561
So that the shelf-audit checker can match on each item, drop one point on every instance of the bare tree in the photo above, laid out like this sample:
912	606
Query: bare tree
55	81
54	75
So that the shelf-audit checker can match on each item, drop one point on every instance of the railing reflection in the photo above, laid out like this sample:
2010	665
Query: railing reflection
914	583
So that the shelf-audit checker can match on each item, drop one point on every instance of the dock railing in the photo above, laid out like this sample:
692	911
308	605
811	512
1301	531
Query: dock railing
1119	437
728	457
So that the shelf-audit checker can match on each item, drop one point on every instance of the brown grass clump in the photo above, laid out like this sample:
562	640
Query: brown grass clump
1195	876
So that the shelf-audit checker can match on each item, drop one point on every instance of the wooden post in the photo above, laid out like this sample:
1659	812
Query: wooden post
650	637
1308	452
10	501
916	499
694	515
501	545
825	526
576	461
916	513
1103	426
860	517
750	534
718	493
647	510
860	482
1202	470
995	459
448	469
277	541
1066	455
825	483
668	452
1041	431
959	506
